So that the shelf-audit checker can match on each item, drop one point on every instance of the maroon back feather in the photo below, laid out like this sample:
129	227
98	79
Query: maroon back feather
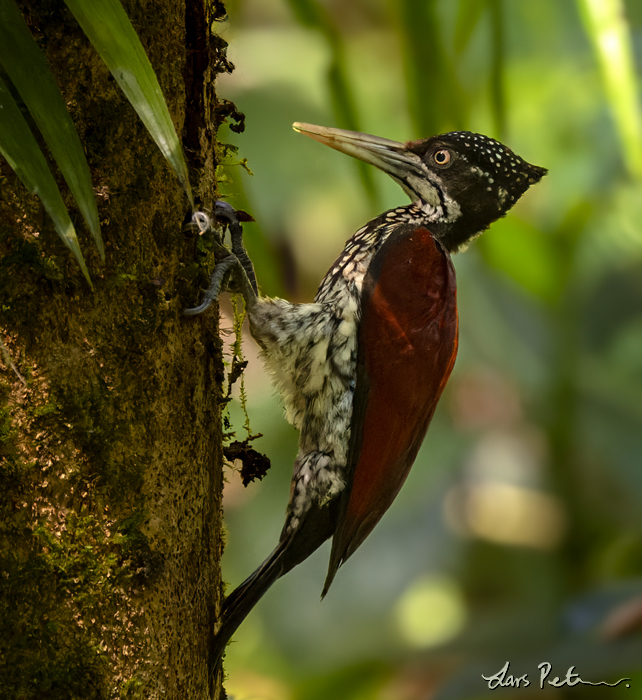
407	347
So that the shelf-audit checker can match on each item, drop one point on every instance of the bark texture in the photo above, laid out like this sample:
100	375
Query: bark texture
110	439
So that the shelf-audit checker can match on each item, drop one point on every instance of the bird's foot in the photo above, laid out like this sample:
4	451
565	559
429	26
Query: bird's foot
236	262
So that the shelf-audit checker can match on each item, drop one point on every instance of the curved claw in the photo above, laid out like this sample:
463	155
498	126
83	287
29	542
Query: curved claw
215	285
244	273
226	211
196	310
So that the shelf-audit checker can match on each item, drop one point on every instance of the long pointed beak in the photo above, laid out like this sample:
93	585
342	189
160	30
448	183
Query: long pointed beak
390	156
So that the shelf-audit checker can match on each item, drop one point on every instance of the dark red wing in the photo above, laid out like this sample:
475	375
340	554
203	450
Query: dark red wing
407	345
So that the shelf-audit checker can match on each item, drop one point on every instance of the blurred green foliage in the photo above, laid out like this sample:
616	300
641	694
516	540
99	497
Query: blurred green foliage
519	534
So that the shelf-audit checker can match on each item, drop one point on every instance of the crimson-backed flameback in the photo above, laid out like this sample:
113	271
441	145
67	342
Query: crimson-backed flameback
361	368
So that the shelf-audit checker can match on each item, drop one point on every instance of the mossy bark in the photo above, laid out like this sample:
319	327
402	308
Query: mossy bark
110	438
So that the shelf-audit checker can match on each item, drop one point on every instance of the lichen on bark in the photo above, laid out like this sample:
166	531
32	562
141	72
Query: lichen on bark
110	455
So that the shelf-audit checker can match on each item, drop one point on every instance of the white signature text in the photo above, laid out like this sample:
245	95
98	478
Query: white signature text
505	679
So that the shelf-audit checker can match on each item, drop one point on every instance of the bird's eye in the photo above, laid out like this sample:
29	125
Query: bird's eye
442	157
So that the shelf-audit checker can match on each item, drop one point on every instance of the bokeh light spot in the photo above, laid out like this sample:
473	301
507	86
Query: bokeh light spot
430	612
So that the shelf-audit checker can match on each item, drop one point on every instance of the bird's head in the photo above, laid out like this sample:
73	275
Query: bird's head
463	181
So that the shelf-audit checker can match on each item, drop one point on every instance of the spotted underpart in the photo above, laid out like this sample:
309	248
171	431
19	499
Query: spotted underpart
311	352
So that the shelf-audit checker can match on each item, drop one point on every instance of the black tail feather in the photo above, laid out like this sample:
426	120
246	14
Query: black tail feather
296	545
240	602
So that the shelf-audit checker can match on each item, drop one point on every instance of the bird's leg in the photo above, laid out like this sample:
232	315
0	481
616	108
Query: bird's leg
237	262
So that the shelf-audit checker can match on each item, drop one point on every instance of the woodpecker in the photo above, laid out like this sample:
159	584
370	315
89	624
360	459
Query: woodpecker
360	369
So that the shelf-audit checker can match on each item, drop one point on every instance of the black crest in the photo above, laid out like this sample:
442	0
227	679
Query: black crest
499	164
478	178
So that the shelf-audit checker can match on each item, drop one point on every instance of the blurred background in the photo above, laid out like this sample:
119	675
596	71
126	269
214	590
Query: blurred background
518	536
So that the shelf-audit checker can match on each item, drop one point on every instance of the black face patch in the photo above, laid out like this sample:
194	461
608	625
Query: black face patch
477	180
501	173
496	161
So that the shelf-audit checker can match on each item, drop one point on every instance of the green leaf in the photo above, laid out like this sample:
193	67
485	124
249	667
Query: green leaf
469	15
498	56
435	97
27	69
607	27
113	36
314	16
469	12
19	147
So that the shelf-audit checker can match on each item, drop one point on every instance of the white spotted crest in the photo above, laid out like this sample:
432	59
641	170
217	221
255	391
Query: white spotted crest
508	175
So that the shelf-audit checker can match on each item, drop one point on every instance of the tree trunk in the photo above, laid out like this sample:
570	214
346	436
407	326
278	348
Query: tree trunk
110	438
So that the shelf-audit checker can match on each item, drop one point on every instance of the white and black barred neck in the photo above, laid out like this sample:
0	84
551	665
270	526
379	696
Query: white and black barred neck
352	264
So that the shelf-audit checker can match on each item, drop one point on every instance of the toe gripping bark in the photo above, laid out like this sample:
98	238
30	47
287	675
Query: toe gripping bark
234	264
